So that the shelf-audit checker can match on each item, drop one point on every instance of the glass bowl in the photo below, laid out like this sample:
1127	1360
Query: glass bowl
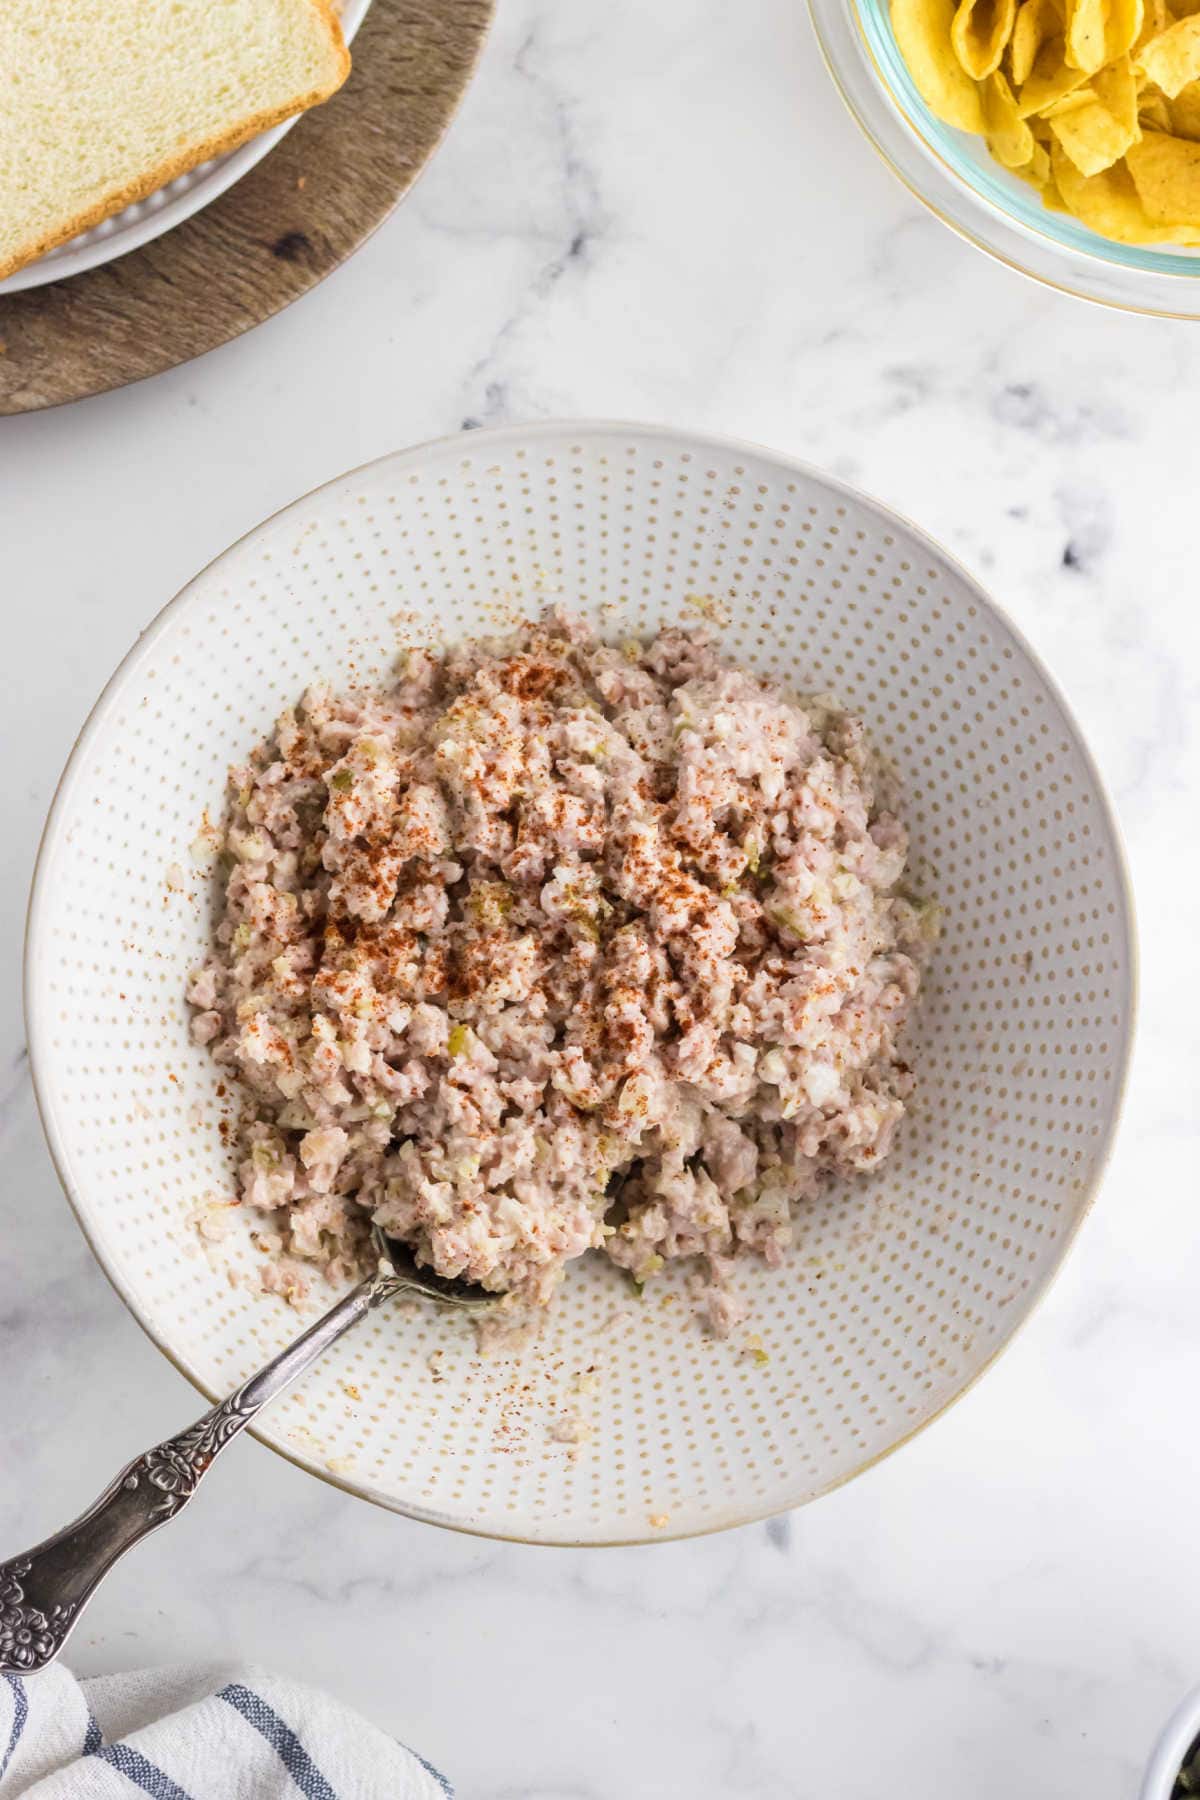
955	175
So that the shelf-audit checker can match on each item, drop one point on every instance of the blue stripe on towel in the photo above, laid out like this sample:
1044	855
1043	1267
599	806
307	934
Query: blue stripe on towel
282	1739
430	1770
93	1737
20	1714
136	1768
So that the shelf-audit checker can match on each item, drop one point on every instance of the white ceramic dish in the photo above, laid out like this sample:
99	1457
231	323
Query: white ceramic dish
168	206
903	1289
1179	1734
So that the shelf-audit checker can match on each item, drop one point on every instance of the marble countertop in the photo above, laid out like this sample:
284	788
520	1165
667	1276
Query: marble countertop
663	213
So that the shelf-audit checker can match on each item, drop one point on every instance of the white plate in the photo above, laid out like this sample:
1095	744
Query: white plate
902	1289
168	206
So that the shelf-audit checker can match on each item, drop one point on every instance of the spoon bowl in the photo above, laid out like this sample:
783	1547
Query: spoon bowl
398	1257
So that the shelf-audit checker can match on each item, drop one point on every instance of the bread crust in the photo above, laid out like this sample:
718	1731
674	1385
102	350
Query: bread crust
174	166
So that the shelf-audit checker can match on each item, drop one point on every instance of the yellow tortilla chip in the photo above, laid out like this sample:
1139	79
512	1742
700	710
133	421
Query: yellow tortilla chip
1037	169
1172	59
1156	112
1008	136
1182	9
1122	27
1096	132
1110	203
1091	138
1036	20
1069	103
1050	79
1183	112
980	34
1098	31
1085	34
1166	174
922	31
1155	18
1052	200
1117	89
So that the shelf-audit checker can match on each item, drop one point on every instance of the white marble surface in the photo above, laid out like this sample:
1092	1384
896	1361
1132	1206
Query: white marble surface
662	212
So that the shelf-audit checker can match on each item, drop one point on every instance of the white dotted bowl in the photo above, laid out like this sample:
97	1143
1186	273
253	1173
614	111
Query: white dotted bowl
903	1288
166	207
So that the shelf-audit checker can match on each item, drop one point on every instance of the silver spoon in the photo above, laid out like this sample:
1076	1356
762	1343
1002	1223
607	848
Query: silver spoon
43	1591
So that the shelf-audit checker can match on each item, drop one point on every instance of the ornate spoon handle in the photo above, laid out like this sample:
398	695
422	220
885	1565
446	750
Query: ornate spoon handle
43	1591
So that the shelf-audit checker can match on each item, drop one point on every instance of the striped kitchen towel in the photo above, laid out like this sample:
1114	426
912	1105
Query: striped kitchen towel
207	1733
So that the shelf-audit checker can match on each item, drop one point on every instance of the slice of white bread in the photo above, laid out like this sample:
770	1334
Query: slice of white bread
103	101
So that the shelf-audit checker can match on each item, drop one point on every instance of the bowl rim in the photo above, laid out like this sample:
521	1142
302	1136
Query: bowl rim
1177	1735
516	434
996	246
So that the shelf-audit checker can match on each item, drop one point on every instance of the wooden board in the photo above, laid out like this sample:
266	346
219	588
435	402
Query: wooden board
276	233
